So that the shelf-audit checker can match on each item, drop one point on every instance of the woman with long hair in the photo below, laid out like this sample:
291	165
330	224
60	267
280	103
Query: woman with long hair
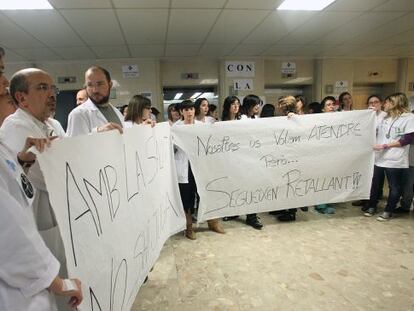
139	111
345	101
250	107
231	109
201	111
300	107
173	114
394	134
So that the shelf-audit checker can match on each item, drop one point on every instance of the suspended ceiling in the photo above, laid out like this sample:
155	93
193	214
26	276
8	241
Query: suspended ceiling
102	29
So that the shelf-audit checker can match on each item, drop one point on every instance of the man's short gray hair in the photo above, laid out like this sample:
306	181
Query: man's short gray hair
2	52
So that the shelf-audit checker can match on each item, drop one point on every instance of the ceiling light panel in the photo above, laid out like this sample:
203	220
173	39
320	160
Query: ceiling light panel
305	5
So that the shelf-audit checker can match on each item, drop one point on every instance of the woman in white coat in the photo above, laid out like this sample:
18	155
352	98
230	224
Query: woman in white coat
395	133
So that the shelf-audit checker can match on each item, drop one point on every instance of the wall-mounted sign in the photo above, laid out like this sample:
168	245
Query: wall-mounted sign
239	69
243	84
130	71
341	86
288	68
189	76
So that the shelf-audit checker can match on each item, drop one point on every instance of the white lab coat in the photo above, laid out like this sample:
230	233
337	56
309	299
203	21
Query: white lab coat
86	118
181	158
27	267
13	133
57	128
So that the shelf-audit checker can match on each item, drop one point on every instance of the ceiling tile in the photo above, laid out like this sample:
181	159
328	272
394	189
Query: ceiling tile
233	25
317	26
197	4
147	50
369	50
310	50
11	56
390	29
12	36
397	5
189	26
354	5
111	51
80	4
363	24
137	4
250	49
256	4
52	30
216	50
36	54
182	50
97	27
277	25
281	50
75	52
402	38
144	26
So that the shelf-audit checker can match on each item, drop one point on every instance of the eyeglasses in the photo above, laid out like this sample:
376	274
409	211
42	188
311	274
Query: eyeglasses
47	88
98	84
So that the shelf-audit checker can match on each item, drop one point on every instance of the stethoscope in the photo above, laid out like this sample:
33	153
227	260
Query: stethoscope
388	135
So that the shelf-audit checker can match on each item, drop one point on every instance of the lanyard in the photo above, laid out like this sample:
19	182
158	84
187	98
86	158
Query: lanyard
388	135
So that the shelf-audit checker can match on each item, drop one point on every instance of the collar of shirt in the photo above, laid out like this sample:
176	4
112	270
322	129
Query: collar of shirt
25	115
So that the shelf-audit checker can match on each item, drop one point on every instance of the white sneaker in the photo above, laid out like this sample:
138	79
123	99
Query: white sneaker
384	216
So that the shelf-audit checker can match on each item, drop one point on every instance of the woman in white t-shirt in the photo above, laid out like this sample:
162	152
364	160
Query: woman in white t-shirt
201	111
374	103
394	135
139	111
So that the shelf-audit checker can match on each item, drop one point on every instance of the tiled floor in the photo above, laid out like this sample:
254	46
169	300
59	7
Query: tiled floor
320	262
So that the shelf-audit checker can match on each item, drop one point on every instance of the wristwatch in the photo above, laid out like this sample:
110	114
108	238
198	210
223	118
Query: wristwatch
24	164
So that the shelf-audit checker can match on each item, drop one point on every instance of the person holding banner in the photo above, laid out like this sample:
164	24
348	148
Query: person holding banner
395	133
327	105
186	181
96	114
374	103
202	108
250	110
28	270
139	112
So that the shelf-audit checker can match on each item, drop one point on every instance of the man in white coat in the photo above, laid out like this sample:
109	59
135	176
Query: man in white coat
35	94
28	270
96	114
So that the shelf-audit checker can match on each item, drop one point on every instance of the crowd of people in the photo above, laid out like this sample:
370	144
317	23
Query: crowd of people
32	260
394	154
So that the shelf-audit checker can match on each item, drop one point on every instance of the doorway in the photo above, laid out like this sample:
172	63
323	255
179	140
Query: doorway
361	92
66	101
175	95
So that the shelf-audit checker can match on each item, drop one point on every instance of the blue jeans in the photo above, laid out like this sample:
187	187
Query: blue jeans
395	177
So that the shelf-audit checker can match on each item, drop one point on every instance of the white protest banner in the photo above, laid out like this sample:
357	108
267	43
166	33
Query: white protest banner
259	165
116	200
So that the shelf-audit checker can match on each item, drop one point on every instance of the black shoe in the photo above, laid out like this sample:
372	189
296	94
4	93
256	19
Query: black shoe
254	222
401	210
365	207
274	213
287	217
228	218
304	209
